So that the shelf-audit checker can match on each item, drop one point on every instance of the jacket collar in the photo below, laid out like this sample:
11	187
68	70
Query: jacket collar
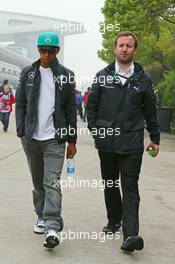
54	65
138	70
129	71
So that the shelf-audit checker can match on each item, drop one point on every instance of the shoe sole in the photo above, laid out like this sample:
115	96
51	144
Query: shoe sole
111	232
51	242
39	231
136	245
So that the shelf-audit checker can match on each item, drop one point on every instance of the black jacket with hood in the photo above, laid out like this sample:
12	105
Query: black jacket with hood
117	113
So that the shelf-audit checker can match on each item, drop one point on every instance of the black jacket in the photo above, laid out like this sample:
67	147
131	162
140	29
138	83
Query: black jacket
27	95
118	111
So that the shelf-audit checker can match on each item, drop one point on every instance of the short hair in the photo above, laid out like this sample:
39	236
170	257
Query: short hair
126	34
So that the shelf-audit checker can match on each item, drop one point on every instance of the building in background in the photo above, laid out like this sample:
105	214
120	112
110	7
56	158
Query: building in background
18	40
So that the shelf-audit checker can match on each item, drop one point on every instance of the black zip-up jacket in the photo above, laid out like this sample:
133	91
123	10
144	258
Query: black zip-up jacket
27	96
116	112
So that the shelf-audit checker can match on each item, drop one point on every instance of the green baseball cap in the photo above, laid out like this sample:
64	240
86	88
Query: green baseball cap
48	39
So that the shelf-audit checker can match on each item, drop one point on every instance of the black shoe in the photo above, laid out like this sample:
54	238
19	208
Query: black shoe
51	239
132	243
111	228
4	129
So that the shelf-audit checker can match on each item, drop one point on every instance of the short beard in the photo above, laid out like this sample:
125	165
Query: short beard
125	62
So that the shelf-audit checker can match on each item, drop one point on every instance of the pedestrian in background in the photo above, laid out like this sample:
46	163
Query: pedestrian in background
2	86
79	102
6	100
85	98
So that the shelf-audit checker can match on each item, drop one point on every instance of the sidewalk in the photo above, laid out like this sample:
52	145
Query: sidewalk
83	209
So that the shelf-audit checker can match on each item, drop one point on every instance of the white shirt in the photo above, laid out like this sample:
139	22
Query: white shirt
46	106
127	74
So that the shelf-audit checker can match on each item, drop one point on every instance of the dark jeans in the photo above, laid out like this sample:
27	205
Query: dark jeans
45	160
85	115
80	110
127	208
5	119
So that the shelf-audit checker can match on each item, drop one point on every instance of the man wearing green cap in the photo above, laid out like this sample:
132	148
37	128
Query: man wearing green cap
45	120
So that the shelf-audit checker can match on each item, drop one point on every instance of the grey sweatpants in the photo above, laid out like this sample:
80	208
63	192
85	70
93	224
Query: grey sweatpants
45	160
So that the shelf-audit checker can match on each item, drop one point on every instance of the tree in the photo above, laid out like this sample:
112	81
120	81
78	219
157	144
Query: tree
166	89
153	22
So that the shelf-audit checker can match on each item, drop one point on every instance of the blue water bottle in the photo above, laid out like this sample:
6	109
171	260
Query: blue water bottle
70	168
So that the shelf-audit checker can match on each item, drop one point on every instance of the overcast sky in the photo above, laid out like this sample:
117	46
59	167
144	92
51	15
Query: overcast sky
80	52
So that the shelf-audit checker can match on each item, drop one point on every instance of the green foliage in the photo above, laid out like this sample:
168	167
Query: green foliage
166	89
154	24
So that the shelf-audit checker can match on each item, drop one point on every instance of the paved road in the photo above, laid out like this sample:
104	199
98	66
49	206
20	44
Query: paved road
83	210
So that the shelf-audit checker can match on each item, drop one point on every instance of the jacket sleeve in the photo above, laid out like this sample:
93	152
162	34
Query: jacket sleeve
20	106
12	100
70	111
150	112
93	104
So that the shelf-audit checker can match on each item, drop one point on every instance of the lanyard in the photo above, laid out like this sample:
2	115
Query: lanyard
117	74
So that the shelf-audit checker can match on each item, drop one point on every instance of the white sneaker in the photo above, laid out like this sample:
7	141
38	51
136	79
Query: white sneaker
39	227
51	239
